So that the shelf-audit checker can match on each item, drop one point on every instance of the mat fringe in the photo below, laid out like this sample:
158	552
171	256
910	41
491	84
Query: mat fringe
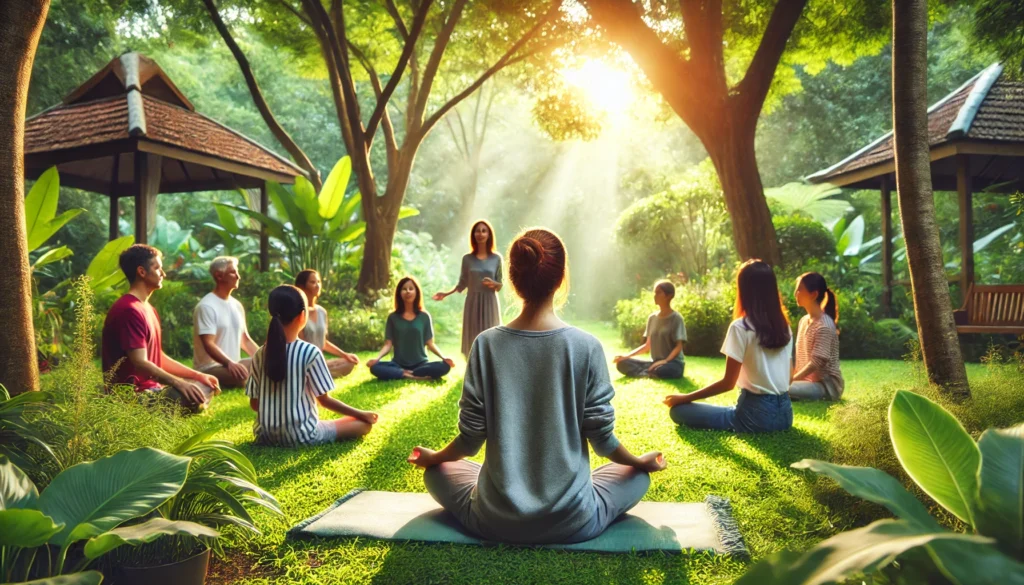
728	529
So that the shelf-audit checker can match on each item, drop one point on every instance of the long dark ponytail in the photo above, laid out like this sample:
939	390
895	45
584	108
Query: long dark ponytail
759	303
815	284
286	302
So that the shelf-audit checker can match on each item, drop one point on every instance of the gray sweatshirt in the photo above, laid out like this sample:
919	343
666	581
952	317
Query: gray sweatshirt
536	398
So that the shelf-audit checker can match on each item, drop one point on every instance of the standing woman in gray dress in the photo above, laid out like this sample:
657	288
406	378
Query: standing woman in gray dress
481	274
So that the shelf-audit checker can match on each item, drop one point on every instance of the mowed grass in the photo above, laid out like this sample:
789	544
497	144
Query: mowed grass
776	507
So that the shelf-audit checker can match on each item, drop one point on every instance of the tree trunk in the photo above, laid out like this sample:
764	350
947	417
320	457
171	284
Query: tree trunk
732	152
21	22
381	215
940	346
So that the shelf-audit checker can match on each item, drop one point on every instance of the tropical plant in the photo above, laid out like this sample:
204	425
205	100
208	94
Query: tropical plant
89	507
816	201
314	231
20	440
42	221
982	484
221	481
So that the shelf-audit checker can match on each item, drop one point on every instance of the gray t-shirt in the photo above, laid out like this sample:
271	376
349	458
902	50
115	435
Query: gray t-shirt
536	398
315	330
664	333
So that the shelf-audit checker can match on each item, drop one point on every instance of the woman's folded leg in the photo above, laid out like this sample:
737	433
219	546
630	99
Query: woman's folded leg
633	368
451	485
699	415
617	488
387	371
431	370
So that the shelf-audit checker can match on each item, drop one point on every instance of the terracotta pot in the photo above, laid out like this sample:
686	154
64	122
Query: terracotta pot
191	571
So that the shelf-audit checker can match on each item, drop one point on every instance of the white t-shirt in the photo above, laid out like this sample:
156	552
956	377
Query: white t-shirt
225	320
764	371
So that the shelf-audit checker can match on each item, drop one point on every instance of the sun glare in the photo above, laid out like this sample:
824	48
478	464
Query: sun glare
607	88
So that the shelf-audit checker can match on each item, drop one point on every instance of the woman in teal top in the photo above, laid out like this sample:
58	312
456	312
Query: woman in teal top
481	279
408	331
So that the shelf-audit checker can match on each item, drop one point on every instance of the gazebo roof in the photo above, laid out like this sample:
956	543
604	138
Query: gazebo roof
132	106
983	117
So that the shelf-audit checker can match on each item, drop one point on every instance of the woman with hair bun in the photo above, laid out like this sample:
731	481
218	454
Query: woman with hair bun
290	377
537	391
481	279
817	375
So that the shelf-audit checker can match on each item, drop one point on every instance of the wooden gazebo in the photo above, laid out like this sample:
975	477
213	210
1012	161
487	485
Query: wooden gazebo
977	142
129	132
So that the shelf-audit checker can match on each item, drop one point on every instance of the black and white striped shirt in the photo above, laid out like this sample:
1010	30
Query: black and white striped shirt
287	409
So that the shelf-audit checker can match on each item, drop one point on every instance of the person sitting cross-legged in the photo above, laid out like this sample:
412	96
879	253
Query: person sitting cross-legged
219	333
132	351
408	331
537	392
664	338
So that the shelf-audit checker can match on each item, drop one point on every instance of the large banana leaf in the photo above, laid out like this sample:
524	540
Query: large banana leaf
147	531
333	193
971	563
105	269
306	199
227	221
275	228
16	489
25	528
875	486
288	208
1001	488
936	452
814	200
863	550
91	498
850	241
51	256
41	207
983	242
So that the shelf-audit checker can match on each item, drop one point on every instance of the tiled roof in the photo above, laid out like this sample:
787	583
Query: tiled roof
988	106
131	112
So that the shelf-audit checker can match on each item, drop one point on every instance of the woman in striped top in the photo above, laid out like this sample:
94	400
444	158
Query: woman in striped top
816	375
290	377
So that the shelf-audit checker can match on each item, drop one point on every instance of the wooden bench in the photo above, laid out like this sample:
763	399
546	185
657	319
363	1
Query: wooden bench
992	308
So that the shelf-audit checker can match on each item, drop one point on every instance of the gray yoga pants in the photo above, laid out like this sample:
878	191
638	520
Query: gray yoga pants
617	488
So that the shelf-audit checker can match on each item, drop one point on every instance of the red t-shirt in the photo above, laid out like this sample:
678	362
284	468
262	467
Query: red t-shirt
131	324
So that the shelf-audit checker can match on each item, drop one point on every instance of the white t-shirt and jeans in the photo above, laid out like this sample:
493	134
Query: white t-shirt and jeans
763	404
225	320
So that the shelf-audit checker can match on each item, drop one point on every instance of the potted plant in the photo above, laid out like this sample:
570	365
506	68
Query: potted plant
221	482
84	512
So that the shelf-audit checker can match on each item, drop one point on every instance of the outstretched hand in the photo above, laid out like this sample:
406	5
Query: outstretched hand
438	296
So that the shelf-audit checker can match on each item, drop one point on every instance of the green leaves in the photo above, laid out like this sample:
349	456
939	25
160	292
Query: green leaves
91	498
84	578
1000	510
936	452
26	528
333	193
16	489
863	550
875	486
105	270
41	207
148	531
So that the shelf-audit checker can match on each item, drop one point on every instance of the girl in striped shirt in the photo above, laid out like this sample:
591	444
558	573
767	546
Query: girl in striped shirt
290	377
816	375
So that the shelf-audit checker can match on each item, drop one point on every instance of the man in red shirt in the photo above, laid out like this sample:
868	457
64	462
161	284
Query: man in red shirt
132	337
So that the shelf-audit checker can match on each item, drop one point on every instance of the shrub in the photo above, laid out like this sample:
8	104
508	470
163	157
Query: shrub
706	309
360	329
802	239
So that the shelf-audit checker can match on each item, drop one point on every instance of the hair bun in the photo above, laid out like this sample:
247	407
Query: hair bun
529	251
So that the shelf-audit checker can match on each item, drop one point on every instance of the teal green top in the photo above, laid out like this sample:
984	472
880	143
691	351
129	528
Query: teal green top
409	338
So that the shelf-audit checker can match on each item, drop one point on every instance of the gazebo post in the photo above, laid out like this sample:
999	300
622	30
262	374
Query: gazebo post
886	247
966	199
147	185
114	232
264	235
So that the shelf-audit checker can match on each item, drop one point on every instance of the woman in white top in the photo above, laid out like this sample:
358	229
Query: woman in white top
315	331
757	349
816	375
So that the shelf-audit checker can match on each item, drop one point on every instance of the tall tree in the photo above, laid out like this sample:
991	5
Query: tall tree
371	47
933	308
21	22
683	54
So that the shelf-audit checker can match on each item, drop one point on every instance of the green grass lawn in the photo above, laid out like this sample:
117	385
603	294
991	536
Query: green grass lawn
776	507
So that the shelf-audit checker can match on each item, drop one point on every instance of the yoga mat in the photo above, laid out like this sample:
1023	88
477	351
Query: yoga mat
649	526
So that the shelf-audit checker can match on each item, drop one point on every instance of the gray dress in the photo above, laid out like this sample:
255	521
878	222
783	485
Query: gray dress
482	310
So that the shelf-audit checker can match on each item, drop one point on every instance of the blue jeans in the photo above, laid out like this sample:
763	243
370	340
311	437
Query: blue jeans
753	413
392	371
635	368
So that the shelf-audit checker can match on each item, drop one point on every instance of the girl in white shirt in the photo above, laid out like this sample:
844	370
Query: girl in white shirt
757	349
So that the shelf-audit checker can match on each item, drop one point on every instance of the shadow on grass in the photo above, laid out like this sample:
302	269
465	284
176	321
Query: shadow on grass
781	448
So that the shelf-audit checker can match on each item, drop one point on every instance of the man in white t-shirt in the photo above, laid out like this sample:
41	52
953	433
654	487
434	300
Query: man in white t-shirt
219	333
